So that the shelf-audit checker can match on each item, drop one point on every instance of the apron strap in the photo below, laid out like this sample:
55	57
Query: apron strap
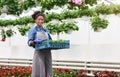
45	31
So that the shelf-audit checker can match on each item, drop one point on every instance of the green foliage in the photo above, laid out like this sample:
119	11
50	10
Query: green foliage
115	9
23	30
15	7
97	22
62	27
9	33
49	17
3	34
69	14
20	21
74	11
49	4
86	12
104	9
27	4
91	2
12	6
57	41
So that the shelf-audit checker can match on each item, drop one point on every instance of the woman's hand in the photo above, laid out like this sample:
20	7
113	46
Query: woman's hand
32	43
38	41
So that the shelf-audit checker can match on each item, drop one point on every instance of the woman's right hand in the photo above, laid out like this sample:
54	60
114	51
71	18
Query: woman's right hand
32	43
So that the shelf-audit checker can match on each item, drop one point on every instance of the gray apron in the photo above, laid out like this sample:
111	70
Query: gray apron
42	60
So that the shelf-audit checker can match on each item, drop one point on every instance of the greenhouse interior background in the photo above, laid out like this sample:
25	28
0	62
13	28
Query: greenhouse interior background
87	46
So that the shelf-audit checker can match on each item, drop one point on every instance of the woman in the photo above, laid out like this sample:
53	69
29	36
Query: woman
42	61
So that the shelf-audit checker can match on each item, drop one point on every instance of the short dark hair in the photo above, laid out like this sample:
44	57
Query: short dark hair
36	14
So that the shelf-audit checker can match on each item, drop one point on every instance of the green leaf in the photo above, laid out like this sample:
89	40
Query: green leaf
9	33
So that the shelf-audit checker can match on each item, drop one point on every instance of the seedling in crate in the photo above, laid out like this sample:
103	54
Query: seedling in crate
53	44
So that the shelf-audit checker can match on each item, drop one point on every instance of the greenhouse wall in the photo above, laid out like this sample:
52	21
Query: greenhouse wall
86	45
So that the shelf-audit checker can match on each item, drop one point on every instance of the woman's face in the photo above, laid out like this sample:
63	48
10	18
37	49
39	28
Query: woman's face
39	21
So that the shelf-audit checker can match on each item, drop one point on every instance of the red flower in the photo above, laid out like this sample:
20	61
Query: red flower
3	39
112	74
21	72
15	32
28	72
63	70
57	71
13	71
67	70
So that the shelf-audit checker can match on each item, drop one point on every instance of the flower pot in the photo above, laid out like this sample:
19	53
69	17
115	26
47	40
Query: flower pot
103	16
118	15
10	27
53	33
1	28
99	29
3	15
85	18
55	21
69	20
69	32
55	7
4	9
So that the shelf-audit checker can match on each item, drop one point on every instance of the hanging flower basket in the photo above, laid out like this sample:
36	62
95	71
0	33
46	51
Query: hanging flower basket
53	44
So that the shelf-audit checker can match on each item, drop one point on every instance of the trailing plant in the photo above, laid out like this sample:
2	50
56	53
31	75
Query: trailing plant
16	7
47	4
91	2
3	35
20	21
23	30
86	12
61	27
6	33
74	11
97	22
67	14
115	9
9	33
104	9
49	17
27	4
